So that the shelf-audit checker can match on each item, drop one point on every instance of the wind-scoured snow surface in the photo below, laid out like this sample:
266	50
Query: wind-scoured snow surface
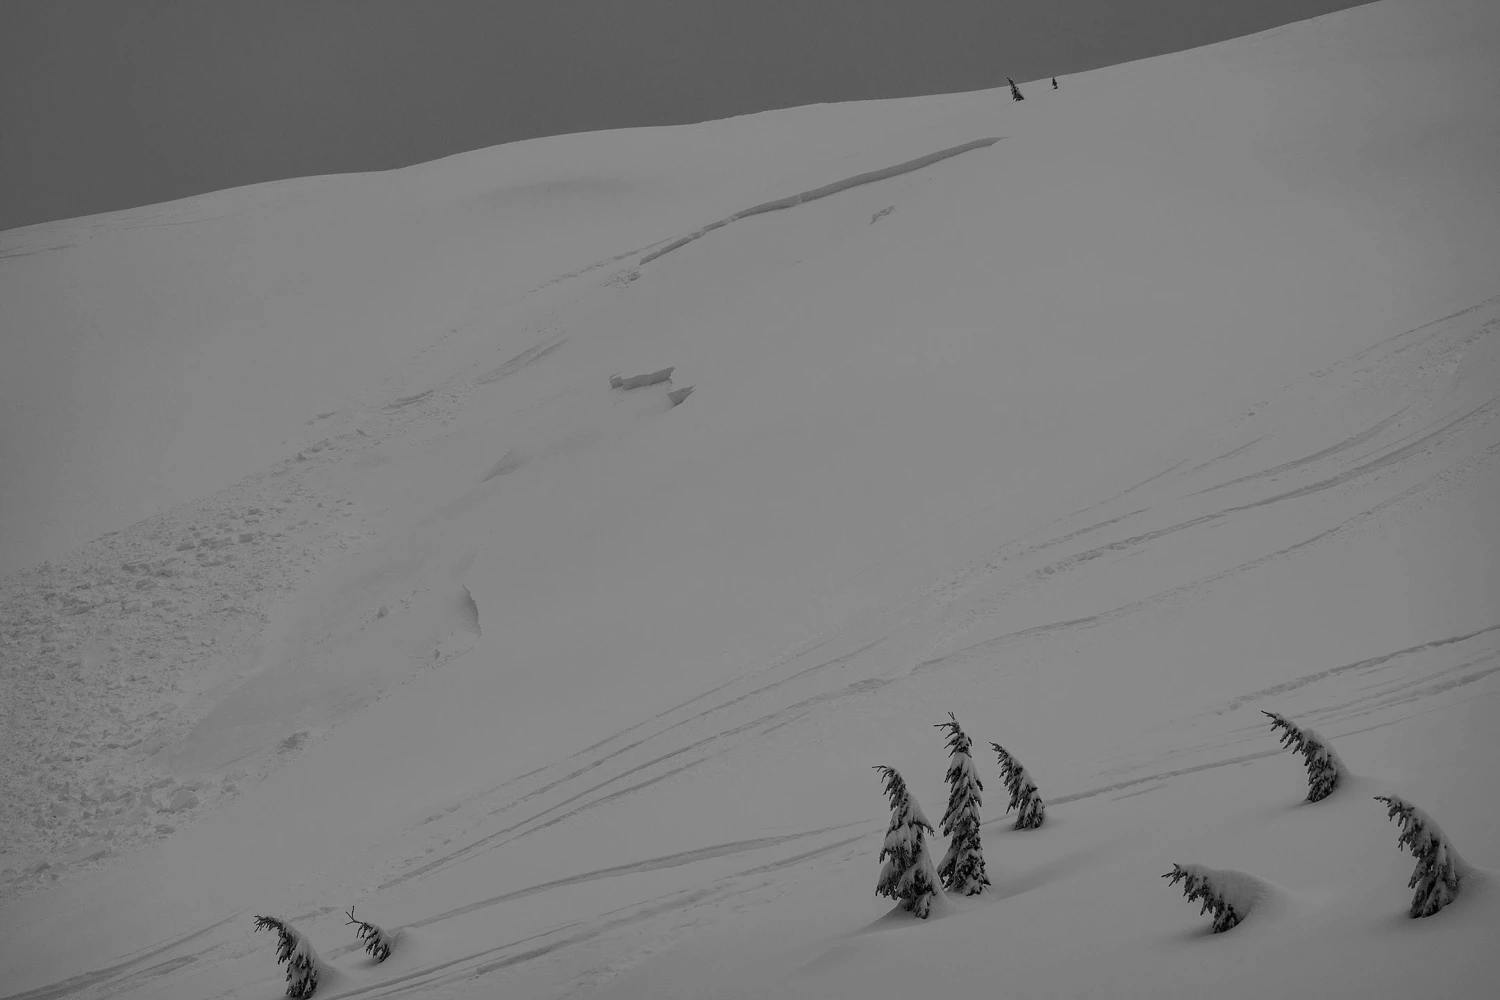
1179	401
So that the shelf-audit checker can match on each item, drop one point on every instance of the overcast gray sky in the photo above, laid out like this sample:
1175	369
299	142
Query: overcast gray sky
106	104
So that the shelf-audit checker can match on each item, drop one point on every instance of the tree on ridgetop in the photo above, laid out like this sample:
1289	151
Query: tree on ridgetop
1323	765
906	874
962	868
1015	92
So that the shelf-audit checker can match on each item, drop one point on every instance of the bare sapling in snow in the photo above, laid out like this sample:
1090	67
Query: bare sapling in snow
1029	807
294	951
906	873
1323	765
1228	894
378	943
1440	870
962	868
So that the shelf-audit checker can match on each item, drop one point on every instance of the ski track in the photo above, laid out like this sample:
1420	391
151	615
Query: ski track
509	833
32	253
1391	341
621	734
1161	597
656	906
579	772
1180	590
1077	533
592	765
1431	439
776	718
1159	776
676	860
1355	441
112	978
96	977
1365	664
1391	457
1420	681
1404	449
1407	691
601	925
1227	455
1123	493
527	357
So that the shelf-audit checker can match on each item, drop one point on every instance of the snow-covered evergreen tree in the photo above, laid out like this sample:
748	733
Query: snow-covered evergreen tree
1015	92
1323	765
1228	894
906	873
377	942
962	868
293	950
1440	871
1030	809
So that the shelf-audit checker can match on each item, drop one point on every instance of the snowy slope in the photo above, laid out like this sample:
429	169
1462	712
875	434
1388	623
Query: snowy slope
1175	402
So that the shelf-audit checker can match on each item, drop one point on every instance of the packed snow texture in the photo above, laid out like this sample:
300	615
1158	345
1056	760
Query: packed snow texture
338	574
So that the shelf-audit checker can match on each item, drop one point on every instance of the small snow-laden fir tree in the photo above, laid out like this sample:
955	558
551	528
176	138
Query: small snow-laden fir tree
1440	871
377	942
1015	92
962	868
1030	809
1228	894
906	873
293	950
1324	769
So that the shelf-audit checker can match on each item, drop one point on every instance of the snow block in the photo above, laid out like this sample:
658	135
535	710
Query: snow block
639	381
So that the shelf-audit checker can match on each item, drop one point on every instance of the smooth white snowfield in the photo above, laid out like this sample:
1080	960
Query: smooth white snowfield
1178	402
